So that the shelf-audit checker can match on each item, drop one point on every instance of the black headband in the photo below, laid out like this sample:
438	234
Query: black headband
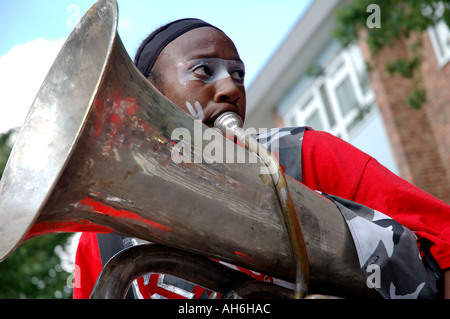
155	43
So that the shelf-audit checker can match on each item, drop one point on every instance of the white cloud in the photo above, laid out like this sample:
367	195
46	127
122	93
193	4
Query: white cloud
22	71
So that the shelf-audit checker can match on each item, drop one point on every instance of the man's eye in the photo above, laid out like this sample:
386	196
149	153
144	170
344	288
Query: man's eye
238	75
203	71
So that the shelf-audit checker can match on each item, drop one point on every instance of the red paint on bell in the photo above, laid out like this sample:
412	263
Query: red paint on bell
103	209
46	227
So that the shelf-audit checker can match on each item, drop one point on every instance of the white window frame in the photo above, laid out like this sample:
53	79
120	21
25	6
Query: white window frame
440	41
339	68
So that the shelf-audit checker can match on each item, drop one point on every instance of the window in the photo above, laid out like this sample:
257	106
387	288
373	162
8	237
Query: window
346	96
440	39
336	101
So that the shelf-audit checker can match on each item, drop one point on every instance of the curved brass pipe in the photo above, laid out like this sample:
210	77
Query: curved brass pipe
118	274
231	124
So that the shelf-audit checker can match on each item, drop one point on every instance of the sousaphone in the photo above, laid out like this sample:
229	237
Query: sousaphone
95	153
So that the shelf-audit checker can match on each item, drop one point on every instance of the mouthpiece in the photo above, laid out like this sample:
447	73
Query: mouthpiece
228	122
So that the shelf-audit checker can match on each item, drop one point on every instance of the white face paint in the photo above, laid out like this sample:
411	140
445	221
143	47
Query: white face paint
196	113
209	70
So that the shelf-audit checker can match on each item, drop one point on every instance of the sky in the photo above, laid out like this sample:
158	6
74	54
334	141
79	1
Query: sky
32	33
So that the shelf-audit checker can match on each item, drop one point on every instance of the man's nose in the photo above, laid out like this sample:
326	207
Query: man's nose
227	90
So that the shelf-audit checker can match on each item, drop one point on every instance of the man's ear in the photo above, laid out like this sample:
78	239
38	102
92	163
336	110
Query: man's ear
156	80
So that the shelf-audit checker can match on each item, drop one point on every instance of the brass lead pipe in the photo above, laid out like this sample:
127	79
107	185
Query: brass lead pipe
231	124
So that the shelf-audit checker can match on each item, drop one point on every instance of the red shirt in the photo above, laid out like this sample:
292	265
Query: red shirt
334	166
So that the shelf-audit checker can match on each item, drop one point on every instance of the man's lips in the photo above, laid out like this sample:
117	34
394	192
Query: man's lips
229	107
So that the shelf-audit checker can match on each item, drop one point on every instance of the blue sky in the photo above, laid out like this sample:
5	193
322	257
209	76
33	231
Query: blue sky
33	31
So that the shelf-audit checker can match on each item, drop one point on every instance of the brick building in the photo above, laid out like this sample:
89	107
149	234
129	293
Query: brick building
311	80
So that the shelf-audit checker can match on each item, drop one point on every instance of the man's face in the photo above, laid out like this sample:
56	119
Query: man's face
201	73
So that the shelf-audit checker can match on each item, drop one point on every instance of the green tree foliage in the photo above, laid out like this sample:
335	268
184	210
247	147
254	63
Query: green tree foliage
397	20
34	269
5	148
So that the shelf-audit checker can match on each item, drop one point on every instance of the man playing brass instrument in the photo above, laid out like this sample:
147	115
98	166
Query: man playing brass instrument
197	67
